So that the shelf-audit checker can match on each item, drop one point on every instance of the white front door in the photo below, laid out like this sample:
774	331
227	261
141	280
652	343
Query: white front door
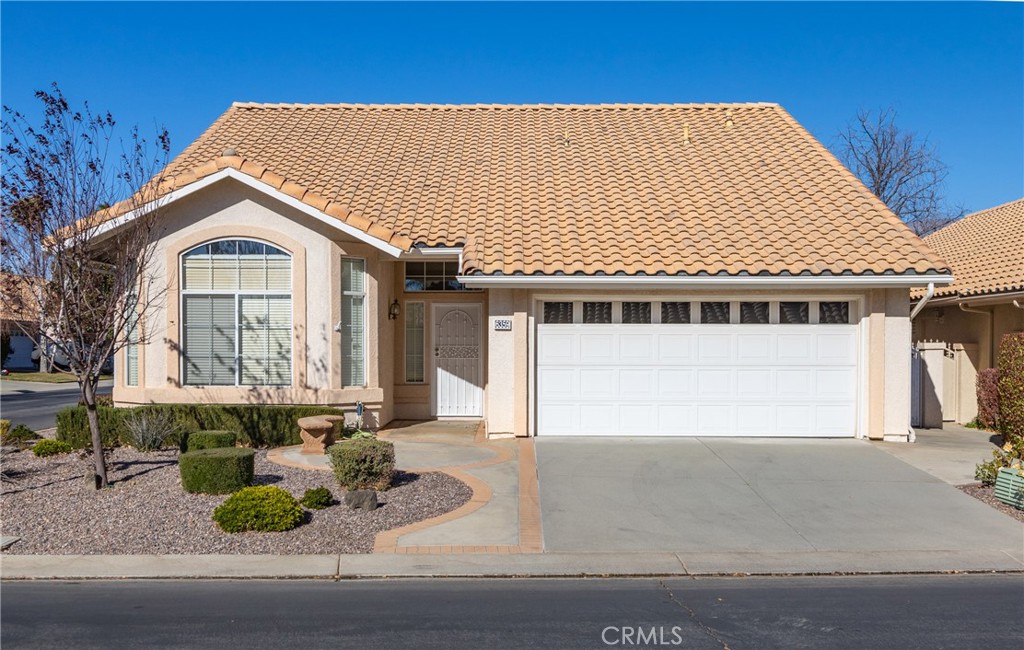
458	360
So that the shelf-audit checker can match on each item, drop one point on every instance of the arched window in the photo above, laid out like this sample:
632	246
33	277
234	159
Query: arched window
236	305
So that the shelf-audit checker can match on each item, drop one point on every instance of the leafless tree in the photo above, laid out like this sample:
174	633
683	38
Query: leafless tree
900	167
76	241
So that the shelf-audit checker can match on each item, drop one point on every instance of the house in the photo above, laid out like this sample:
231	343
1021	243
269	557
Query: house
966	320
663	270
19	324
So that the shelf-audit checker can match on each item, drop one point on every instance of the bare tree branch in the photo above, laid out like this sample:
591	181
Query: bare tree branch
86	282
899	167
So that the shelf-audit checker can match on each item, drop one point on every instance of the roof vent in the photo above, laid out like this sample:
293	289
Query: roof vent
728	117
686	134
230	151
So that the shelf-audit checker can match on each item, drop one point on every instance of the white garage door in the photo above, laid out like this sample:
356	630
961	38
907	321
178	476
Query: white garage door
704	379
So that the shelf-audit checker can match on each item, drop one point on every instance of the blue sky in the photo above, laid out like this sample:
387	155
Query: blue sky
955	71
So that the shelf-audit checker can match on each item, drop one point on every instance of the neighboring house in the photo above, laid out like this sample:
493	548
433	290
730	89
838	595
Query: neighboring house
986	300
18	322
704	269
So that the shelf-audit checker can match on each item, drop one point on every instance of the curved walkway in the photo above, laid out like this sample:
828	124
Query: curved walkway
501	516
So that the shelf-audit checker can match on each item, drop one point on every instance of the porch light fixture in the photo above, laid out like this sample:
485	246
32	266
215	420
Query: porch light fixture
394	310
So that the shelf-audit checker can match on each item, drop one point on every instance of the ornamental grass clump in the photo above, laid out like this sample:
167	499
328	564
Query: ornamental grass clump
317	498
367	464
263	508
148	430
217	471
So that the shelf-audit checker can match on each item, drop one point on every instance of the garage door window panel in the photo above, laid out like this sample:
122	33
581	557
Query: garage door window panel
754	313
597	313
714	313
558	313
794	313
834	313
675	313
636	313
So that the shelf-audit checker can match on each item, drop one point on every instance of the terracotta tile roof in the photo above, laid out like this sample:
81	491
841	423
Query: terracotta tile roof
985	251
655	189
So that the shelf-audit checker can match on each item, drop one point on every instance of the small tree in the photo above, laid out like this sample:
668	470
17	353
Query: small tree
899	167
76	240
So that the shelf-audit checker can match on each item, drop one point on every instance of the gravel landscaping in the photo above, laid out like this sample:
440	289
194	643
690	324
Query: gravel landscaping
987	495
145	511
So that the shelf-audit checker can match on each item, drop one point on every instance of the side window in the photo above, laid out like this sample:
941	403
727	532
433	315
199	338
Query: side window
414	330
353	320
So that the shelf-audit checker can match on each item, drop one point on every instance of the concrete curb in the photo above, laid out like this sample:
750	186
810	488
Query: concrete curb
544	565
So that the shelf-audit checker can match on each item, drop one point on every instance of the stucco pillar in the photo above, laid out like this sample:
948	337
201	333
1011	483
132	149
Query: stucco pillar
896	421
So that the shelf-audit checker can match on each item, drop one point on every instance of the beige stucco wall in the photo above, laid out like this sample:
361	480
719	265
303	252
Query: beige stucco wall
883	316
949	324
231	209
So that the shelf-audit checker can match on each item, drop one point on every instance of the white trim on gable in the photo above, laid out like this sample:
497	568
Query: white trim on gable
234	174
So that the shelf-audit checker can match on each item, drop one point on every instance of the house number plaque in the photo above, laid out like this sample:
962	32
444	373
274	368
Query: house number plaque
502	324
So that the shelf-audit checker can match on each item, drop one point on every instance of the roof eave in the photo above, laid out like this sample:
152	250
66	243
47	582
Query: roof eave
702	281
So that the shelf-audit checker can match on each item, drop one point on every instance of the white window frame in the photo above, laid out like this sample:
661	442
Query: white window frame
238	294
423	340
363	295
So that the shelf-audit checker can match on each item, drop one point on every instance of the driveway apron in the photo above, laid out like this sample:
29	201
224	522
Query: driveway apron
697	495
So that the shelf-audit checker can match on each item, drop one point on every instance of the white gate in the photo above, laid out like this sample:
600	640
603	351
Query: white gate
916	386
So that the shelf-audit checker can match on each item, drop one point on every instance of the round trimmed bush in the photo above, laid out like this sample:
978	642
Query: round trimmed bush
263	508
216	471
210	440
317	498
51	448
367	464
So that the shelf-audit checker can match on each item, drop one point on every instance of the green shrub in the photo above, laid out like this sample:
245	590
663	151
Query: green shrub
317	498
51	448
1011	386
209	440
216	471
263	508
1012	451
988	398
256	425
363	464
19	434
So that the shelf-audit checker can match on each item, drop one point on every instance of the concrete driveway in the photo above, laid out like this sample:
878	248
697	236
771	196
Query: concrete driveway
712	495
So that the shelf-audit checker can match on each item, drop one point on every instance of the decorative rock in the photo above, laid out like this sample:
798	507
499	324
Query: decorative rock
361	500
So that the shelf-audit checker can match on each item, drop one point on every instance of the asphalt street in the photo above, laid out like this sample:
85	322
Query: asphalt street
38	409
948	611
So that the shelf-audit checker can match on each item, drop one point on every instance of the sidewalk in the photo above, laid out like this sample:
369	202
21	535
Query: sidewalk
480	565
